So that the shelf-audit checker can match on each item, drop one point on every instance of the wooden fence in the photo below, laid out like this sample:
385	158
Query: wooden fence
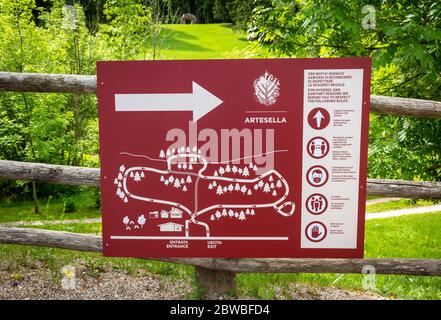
214	275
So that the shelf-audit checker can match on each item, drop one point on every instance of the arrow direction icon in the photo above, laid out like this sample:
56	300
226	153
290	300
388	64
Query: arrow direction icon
200	101
318	118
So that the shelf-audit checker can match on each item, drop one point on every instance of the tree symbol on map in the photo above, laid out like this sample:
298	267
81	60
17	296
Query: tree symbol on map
186	170
141	220
266	89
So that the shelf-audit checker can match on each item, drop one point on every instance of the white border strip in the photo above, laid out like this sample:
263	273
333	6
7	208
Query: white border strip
197	238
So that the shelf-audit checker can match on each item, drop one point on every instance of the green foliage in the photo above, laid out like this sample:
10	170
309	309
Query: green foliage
68	206
405	46
397	204
128	28
208	11
384	238
55	38
41	127
203	9
202	41
52	38
220	11
240	11
412	236
85	202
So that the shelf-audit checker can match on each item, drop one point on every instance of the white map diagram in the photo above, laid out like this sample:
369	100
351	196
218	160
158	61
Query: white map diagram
186	167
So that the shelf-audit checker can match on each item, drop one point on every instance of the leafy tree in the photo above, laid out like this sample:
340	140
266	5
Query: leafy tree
19	52
220	11
75	53
142	220
52	128
128	27
405	46
241	11
203	9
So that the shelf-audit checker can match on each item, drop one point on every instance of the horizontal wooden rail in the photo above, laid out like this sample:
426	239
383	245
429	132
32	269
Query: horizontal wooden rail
69	175
404	189
93	243
48	238
41	82
406	107
68	83
51	173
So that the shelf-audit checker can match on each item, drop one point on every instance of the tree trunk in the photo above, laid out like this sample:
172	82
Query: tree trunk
34	196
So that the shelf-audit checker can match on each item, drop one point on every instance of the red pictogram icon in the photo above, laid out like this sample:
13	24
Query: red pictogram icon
318	147
317	176
316	231
318	118
316	203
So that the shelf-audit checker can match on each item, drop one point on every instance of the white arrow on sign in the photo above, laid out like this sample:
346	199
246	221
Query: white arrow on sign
200	101
318	118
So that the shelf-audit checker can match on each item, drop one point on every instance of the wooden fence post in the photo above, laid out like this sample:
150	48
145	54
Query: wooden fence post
215	283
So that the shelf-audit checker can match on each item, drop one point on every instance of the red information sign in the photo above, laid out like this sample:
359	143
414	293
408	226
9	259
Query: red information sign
234	158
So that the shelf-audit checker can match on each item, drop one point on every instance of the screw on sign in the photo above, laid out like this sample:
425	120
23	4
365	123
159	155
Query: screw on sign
219	154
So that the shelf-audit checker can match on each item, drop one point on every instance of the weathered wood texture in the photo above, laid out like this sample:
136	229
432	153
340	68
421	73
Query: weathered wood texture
51	173
216	282
59	174
86	242
37	82
404	189
48	238
406	107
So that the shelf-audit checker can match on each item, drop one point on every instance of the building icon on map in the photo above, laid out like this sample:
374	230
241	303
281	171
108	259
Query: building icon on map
170	227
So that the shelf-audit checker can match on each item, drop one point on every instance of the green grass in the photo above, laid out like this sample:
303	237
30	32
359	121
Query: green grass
15	258
396	205
412	236
94	228
51	209
201	41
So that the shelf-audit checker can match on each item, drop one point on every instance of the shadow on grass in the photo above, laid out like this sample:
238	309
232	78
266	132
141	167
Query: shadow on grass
175	40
